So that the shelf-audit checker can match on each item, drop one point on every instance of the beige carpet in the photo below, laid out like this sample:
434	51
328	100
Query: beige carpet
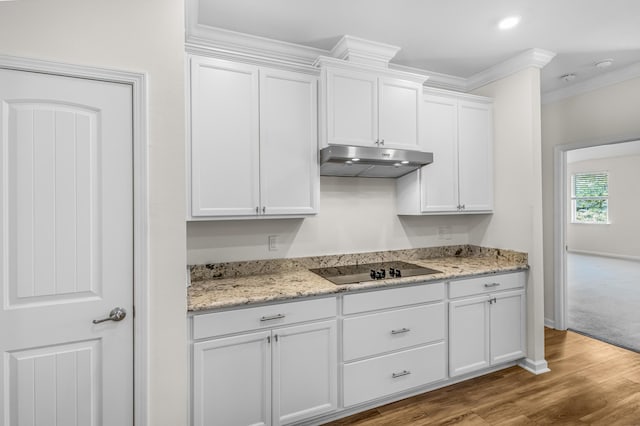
604	299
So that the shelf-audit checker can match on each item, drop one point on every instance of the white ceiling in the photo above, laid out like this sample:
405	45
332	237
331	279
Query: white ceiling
624	149
454	37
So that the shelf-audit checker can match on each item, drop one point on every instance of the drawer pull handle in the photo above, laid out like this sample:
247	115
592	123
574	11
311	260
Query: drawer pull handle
491	285
401	330
400	374
272	317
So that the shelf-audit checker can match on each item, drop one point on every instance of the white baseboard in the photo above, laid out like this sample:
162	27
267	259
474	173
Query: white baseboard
602	254
549	323
535	367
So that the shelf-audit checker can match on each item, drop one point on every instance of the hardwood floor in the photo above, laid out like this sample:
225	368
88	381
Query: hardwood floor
590	382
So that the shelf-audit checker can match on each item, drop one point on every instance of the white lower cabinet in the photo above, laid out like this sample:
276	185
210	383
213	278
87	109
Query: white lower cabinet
279	364
232	381
304	371
396	347
274	376
487	328
388	374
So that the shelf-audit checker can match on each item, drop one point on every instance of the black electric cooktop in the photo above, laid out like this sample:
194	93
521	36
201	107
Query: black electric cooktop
351	274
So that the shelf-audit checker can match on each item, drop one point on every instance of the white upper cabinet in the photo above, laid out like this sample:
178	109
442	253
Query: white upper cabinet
253	141
475	156
289	176
457	129
399	111
352	107
369	107
225	144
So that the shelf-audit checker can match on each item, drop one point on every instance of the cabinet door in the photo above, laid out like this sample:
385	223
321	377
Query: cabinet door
468	335
304	371
439	180
508	327
232	381
399	113
289	178
475	156
224	151
352	108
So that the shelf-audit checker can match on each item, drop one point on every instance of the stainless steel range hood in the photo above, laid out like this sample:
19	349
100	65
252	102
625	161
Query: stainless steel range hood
356	161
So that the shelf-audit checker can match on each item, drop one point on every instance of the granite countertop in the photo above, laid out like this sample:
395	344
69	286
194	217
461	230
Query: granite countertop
227	285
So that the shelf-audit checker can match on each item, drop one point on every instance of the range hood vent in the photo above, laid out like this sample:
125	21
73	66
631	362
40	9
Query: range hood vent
355	161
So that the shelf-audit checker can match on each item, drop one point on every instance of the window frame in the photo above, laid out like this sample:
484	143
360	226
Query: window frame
573	198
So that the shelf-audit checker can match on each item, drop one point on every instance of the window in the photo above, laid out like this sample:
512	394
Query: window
590	197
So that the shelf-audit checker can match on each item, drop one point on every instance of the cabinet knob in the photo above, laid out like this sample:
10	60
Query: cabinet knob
381	141
264	209
401	330
257	210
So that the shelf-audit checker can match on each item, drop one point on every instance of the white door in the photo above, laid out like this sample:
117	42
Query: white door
305	371
225	163
439	135
508	327
66	255
399	113
352	108
232	381
475	155
468	335
289	178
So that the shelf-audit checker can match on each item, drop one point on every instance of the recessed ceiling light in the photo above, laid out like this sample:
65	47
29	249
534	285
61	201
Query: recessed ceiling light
509	22
605	63
355	159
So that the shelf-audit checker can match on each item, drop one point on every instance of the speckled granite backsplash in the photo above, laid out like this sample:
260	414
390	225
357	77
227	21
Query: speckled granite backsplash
224	270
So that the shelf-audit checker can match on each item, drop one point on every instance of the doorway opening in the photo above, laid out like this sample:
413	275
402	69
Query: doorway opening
597	260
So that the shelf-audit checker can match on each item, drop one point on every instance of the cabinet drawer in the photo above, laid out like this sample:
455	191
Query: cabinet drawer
378	377
392	298
373	334
488	284
262	317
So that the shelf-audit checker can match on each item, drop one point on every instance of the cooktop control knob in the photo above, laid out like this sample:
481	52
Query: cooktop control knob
383	273
398	273
372	274
392	272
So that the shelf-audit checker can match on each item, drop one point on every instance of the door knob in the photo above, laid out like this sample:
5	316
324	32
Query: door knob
116	314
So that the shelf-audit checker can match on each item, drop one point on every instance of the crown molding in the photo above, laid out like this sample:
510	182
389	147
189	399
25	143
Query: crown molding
327	61
612	77
435	79
535	57
359	50
234	45
211	41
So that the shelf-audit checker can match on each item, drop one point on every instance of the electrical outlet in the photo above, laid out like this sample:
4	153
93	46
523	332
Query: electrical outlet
272	242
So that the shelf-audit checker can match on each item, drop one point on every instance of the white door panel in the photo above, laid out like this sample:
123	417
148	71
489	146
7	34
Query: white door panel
56	385
288	142
66	255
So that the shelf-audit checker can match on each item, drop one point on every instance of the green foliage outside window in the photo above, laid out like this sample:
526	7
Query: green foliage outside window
590	197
